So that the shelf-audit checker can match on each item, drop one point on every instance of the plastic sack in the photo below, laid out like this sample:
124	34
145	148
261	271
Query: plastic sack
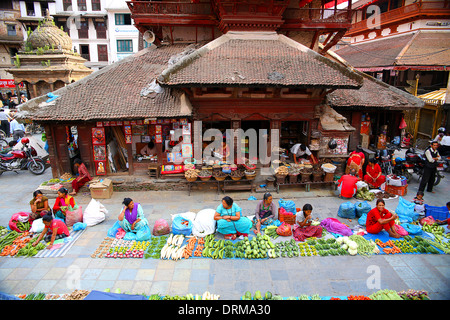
204	223
287	205
347	210
400	230
143	234
427	220
19	216
362	220
361	208
75	216
412	228
120	233
129	236
284	230
405	207
79	226
180	225
161	227
94	213
37	226
113	230
328	168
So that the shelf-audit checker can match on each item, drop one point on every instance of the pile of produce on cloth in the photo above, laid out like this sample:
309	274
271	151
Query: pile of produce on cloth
365	194
409	244
16	243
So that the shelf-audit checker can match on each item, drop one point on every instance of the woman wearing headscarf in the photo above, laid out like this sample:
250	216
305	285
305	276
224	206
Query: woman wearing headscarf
131	218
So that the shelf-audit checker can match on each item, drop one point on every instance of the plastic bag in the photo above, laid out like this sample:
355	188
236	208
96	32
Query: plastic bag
362	208
287	205
161	227
406	208
19	216
362	220
180	225
79	226
143	234
400	230
75	216
129	236
204	223
347	210
94	213
412	228
37	226
427	220
113	230
284	230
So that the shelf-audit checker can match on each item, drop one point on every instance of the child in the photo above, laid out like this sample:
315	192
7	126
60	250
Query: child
447	221
54	229
419	203
303	218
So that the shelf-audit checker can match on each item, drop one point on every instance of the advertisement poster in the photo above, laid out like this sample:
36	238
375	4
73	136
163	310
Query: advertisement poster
98	136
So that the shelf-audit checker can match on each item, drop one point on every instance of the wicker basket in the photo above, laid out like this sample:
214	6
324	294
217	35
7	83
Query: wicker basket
235	178
306	177
317	176
220	178
205	178
293	178
191	179
280	178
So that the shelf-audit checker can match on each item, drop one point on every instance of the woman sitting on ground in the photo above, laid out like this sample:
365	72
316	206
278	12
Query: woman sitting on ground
379	218
230	223
64	202
54	229
131	218
265	212
38	204
374	176
82	179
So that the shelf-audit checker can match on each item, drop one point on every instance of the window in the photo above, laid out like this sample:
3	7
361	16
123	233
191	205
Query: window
67	5
7	4
100	28
96	6
123	19
124	45
44	8
82	5
30	9
102	50
84	51
83	32
11	29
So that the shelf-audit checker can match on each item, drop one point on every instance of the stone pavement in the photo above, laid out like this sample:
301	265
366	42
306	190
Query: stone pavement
326	276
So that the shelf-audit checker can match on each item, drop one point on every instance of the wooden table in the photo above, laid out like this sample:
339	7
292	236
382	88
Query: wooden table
306	184
212	180
242	184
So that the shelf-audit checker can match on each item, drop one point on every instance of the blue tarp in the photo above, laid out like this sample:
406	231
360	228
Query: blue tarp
101	295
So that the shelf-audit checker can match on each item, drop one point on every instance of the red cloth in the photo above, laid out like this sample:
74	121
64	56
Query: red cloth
76	185
301	234
83	172
60	227
372	224
374	172
347	184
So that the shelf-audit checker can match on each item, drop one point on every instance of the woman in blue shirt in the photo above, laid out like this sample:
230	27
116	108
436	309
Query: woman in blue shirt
229	220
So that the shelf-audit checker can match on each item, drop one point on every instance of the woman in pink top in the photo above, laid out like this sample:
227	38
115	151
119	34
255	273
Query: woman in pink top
54	229
83	177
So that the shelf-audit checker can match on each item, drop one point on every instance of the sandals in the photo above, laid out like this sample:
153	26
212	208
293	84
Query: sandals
230	237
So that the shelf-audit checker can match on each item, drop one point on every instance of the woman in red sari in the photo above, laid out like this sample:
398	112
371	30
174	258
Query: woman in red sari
379	218
356	161
374	176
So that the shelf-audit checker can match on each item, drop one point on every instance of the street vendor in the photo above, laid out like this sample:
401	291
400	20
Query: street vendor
131	218
356	161
301	151
64	202
374	176
303	227
303	217
347	184
149	150
379	218
54	229
82	179
230	223
265	212
38	204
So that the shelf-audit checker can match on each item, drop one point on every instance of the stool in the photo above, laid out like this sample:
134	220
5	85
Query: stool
153	170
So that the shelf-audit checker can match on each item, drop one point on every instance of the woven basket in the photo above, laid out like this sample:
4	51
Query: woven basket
293	178
235	178
280	178
220	178
205	178
317	177
306	177
190	179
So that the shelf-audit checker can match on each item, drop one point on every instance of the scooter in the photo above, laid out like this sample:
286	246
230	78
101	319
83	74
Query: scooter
23	159
415	163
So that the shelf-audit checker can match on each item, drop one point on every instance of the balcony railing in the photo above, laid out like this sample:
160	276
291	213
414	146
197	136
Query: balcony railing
169	8
432	8
296	17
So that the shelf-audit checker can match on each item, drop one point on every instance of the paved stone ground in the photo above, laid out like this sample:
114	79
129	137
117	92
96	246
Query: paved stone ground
325	276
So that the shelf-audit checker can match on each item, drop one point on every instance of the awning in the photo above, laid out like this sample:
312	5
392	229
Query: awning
435	97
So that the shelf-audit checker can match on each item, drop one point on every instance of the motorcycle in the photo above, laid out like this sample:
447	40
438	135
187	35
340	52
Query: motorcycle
401	169
23	159
384	158
415	163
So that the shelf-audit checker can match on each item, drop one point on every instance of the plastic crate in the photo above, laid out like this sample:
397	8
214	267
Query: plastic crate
288	218
438	213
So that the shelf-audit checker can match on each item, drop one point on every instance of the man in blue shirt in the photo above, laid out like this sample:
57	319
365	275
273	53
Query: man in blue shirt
16	129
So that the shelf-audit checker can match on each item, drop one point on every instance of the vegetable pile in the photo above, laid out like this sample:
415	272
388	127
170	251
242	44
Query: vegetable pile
18	244
365	194
385	295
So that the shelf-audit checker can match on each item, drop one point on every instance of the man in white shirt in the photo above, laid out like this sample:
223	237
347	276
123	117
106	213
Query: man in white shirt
444	145
4	120
299	150
16	129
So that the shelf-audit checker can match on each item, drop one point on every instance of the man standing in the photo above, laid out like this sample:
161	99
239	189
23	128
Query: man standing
4	119
429	171
17	129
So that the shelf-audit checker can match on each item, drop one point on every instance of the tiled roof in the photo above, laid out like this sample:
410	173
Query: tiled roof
255	59
115	92
374	94
422	48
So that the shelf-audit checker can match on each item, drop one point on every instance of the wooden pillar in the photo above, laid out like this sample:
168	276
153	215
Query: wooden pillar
130	157
52	155
85	146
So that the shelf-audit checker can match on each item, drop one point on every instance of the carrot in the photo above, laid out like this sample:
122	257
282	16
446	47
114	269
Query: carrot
201	241
387	250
